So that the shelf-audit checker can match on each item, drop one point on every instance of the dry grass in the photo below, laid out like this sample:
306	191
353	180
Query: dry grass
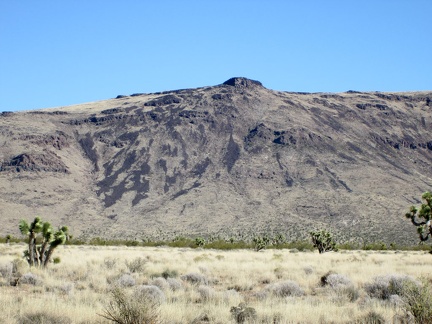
205	283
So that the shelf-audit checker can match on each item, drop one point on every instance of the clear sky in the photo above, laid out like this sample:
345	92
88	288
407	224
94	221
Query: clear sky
57	53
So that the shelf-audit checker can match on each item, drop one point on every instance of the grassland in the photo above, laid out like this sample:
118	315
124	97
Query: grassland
203	285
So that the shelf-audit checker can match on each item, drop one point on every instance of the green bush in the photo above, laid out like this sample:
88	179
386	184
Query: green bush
418	300
227	245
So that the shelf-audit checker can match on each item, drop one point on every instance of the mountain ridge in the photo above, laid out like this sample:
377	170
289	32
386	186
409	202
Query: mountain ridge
236	159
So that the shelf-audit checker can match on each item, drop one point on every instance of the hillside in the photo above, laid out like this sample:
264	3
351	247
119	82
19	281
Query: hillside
233	159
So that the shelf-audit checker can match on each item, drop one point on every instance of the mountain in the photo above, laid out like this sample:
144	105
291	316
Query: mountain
236	159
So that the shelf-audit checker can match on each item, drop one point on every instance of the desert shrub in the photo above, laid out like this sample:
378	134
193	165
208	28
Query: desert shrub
6	270
308	270
261	295
182	242
384	286
371	318
66	289
286	289
323	280
29	279
195	278
161	283
136	265
350	292
417	300
336	280
243	313
126	280
376	246
174	284
229	294
206	293
300	246
43	318
19	266
227	245
127	309
110	263
201	319
341	286
167	273
149	293
396	301
56	260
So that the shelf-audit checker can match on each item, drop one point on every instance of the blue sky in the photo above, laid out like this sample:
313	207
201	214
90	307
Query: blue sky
57	53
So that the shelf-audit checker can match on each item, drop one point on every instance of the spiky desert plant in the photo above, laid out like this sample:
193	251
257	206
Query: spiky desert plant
41	255
260	242
421	217
59	238
323	241
32	231
200	242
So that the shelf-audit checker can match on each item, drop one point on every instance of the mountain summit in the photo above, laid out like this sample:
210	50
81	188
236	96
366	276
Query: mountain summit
233	160
242	83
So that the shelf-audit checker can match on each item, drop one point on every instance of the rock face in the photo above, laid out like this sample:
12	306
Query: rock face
231	160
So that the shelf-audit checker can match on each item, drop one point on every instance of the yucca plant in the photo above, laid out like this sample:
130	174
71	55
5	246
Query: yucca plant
40	255
323	241
421	217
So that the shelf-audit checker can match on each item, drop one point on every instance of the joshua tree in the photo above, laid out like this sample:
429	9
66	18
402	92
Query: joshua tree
260	242
40	255
200	242
323	241
421	217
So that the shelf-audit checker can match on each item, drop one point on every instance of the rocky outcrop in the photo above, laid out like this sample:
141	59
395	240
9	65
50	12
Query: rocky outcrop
242	83
35	162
